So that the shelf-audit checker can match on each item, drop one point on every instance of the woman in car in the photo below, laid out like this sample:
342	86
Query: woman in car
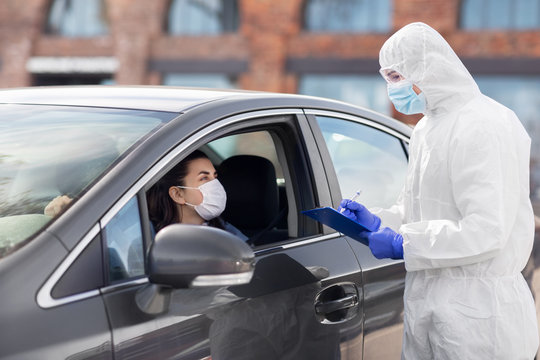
190	193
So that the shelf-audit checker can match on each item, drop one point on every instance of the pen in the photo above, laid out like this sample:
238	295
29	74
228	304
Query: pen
354	197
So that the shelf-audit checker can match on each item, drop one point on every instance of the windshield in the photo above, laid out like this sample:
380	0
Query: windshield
54	153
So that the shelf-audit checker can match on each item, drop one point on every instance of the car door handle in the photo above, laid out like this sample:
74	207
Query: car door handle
344	303
337	303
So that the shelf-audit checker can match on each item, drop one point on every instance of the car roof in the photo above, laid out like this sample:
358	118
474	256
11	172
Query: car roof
159	98
179	99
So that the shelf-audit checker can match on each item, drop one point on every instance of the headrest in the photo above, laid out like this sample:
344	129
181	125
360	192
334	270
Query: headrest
252	192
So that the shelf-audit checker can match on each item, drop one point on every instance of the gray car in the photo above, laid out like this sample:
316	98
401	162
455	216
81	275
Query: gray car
90	279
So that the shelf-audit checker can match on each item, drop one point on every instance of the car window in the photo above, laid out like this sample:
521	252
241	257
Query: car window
124	240
267	185
49	155
365	159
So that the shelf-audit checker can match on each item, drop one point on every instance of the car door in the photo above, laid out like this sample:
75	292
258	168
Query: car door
371	157
305	298
51	253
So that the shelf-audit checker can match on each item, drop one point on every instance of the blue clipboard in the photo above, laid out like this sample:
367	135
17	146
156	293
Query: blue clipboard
333	218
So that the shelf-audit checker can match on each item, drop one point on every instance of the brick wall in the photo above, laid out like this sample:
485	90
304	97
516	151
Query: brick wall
270	32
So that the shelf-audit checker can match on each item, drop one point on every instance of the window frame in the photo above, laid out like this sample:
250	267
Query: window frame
44	296
90	257
275	122
144	239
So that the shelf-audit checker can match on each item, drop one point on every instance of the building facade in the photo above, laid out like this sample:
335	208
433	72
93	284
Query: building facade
318	47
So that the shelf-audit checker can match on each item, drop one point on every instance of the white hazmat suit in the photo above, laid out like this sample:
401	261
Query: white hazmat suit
465	214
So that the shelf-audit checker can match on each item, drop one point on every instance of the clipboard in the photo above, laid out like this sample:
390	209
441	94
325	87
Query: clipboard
333	218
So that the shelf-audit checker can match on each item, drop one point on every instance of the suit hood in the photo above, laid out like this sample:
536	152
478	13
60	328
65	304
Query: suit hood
423	56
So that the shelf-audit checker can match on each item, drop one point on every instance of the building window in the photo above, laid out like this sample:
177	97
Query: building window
219	81
77	18
500	14
348	15
521	94
368	91
202	17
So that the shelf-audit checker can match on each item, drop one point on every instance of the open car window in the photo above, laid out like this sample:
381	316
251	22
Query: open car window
265	173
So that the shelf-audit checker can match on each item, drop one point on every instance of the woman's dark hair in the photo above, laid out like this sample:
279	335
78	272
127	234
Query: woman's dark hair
162	209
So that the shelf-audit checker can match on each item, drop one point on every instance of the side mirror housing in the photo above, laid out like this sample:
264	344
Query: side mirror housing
185	256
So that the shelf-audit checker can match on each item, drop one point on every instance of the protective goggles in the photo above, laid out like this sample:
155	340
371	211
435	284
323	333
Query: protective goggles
391	76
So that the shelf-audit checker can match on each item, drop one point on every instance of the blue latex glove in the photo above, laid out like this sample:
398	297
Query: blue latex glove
386	243
359	213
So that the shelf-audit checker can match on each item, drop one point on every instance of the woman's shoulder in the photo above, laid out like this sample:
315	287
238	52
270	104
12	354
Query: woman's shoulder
233	230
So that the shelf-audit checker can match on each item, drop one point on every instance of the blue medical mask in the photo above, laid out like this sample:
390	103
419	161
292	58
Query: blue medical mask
404	98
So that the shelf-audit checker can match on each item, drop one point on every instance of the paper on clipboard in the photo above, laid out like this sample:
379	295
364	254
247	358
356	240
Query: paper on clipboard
331	217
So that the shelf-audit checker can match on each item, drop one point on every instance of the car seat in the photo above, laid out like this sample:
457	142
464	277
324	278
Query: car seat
252	198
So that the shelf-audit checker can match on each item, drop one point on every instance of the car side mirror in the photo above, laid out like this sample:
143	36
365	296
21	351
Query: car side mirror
185	256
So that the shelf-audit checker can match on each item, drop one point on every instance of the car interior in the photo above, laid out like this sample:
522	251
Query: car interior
253	198
251	171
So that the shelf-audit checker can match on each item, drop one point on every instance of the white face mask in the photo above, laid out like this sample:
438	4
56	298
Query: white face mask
214	199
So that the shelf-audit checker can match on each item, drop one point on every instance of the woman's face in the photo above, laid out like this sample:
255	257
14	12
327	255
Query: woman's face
200	171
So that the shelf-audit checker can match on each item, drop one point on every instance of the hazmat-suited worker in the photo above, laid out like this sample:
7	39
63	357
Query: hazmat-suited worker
464	222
